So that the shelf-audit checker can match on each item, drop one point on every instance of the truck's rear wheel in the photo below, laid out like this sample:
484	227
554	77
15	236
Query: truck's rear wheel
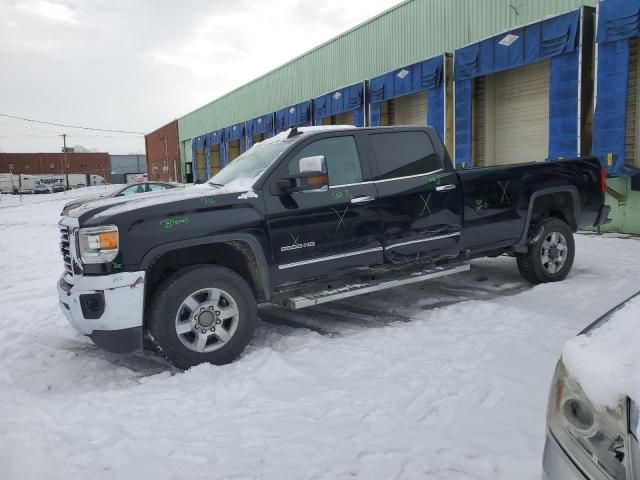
550	257
203	314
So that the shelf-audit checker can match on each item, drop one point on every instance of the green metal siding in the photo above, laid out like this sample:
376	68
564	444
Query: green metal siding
410	32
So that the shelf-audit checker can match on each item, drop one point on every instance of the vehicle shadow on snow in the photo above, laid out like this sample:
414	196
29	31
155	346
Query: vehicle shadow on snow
145	363
487	279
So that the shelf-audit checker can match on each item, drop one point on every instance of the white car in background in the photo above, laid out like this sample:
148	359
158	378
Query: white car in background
125	190
592	416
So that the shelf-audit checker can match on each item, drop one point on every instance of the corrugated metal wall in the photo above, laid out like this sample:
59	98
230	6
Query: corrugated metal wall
410	32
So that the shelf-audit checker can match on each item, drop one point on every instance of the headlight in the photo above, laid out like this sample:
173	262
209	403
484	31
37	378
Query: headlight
98	244
596	439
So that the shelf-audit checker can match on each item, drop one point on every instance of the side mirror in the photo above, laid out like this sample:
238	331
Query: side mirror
312	176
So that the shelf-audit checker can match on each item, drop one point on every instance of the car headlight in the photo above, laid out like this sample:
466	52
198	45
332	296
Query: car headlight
596	439
98	244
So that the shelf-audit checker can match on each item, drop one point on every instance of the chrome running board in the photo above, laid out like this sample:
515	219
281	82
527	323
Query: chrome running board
384	282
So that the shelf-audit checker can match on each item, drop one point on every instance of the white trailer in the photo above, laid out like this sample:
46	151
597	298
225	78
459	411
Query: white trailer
27	183
9	183
50	180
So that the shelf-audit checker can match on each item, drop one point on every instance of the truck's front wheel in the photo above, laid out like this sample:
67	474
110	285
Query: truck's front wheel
203	314
550	257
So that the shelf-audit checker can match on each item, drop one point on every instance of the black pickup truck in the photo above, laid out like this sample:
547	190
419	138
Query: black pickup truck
309	216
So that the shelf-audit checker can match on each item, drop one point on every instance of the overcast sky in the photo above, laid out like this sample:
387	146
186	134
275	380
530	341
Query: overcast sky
136	65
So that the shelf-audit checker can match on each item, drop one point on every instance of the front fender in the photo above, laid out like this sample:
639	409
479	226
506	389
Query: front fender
251	241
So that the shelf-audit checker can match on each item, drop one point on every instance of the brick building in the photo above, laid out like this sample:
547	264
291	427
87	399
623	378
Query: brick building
54	163
163	157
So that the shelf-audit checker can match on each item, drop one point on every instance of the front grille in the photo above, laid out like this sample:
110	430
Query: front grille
65	247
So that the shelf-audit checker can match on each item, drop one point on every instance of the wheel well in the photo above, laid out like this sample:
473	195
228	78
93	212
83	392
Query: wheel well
555	205
234	255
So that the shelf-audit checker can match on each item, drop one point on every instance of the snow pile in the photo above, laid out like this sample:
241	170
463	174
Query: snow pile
436	396
606	361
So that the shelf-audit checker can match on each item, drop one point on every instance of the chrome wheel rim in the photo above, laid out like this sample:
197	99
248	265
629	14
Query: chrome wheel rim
207	320
554	252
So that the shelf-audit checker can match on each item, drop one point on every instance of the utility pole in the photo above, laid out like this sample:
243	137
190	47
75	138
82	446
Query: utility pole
64	165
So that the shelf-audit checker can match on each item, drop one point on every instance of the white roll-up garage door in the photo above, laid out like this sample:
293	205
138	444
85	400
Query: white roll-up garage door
234	150
518	123
409	110
345	118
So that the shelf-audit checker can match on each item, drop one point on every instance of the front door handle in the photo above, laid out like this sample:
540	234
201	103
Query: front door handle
444	188
363	199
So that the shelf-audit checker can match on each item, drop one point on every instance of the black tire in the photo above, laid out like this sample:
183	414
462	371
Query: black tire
531	265
169	298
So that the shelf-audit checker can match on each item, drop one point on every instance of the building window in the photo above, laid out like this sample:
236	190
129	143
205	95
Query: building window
26	166
51	166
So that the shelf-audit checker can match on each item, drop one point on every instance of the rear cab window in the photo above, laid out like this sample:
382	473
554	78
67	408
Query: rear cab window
404	154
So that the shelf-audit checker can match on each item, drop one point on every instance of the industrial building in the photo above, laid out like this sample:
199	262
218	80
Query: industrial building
500	81
616	123
163	156
124	166
56	164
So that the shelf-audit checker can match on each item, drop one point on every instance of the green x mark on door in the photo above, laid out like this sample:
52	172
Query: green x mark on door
295	239
425	206
341	217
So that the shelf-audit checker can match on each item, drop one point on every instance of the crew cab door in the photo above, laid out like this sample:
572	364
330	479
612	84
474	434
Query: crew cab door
327	230
419	195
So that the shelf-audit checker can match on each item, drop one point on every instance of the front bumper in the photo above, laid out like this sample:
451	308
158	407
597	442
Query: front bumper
107	308
556	465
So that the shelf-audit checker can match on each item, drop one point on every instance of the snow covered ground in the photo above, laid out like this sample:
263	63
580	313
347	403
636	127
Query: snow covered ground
442	380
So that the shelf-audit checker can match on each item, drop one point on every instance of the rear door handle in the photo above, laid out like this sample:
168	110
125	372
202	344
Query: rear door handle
363	199
444	188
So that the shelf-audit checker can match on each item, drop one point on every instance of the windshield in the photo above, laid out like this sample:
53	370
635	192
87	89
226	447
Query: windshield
252	163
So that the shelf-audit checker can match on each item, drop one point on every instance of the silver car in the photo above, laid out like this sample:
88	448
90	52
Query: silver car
144	187
588	443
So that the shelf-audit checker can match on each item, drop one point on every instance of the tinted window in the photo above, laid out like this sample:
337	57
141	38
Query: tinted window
154	187
341	154
131	190
401	154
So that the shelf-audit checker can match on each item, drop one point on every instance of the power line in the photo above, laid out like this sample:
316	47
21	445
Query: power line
68	126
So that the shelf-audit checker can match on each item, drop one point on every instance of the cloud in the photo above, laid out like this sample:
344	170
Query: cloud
138	65
50	11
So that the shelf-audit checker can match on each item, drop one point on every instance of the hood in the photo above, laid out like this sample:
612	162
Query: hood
98	211
604	358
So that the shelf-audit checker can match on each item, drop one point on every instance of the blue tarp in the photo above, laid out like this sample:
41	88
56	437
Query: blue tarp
426	75
464	120
618	21
534	43
256	126
234	132
294	116
347	99
211	139
556	38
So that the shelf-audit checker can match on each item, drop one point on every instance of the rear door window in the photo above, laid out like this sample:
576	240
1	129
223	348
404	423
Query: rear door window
154	187
402	154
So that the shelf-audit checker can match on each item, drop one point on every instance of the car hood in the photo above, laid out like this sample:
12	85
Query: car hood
604	358
81	200
99	210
